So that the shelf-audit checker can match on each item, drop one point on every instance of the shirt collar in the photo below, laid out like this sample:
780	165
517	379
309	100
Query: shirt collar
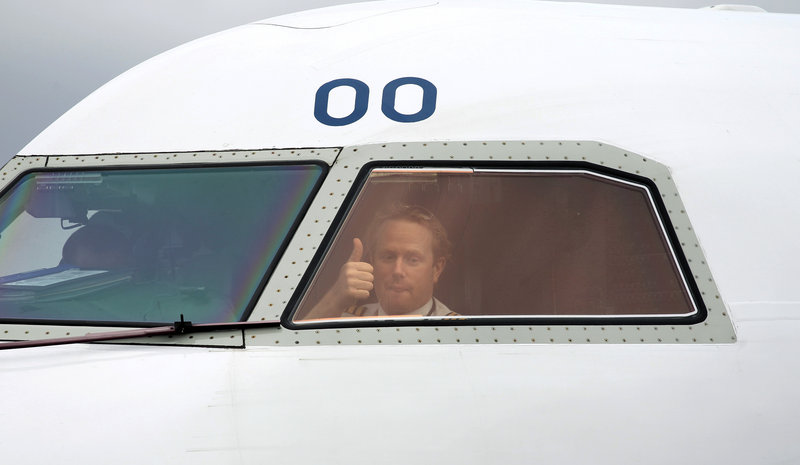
420	311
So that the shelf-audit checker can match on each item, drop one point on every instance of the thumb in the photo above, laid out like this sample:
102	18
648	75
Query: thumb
358	250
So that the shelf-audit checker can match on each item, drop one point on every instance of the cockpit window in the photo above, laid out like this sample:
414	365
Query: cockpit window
489	243
146	245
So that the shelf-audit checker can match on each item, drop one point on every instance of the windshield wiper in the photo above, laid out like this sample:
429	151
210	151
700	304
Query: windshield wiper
177	328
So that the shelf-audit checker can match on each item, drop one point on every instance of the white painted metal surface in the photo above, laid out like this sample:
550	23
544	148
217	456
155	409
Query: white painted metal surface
450	404
711	95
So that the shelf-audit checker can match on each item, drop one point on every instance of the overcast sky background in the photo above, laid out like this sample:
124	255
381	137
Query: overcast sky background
53	53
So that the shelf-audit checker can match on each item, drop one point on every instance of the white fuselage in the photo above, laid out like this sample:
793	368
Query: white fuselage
712	95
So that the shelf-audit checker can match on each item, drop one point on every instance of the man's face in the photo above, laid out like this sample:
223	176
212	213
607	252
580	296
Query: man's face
404	266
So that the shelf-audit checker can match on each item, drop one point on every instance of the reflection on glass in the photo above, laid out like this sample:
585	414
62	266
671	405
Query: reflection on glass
498	243
145	245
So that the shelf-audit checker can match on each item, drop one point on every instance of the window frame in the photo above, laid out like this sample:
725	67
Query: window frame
345	163
653	192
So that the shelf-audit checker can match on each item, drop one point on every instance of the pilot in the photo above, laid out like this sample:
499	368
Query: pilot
409	250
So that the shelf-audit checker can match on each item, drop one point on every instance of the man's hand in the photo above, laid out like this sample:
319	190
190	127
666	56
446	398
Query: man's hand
355	278
353	284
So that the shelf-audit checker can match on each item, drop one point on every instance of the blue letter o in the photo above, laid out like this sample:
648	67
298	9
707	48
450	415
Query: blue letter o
428	100
359	109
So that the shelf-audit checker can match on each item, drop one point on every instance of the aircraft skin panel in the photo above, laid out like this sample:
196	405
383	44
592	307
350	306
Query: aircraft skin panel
674	90
556	403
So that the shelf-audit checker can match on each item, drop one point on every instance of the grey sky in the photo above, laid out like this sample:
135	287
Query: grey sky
53	53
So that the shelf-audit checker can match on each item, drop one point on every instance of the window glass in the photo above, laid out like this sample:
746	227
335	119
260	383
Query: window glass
145	245
493	243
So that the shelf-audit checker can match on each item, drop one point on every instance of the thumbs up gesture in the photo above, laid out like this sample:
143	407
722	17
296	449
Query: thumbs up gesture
353	284
355	277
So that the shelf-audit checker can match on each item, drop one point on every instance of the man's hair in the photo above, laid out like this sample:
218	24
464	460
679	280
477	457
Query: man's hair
414	214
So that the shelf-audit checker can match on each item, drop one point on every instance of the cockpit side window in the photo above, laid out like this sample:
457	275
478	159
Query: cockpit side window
493	243
145	246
